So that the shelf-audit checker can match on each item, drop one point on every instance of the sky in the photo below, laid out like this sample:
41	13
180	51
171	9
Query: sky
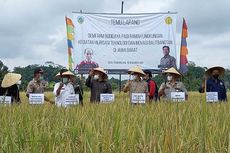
33	31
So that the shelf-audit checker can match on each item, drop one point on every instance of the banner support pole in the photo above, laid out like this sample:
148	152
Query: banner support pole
122	7
122	10
120	82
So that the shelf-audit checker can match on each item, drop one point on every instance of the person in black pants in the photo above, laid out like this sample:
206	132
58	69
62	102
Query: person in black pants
77	89
9	87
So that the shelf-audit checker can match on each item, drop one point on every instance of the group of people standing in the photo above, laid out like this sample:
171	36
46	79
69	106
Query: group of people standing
142	83
139	82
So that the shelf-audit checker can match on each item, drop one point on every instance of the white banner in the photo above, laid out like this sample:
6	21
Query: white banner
115	41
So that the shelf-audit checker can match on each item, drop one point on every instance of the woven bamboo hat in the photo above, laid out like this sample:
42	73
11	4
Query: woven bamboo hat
99	69
219	68
172	70
10	79
67	73
136	69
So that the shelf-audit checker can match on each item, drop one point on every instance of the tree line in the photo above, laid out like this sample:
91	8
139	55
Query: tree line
192	79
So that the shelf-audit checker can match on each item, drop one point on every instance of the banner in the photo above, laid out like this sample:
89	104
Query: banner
122	41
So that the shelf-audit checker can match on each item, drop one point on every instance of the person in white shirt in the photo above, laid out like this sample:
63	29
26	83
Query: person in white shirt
64	88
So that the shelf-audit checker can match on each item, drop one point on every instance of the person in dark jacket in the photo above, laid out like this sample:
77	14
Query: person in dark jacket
98	84
9	87
214	84
77	89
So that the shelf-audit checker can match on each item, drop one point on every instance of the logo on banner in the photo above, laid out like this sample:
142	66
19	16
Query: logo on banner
80	19
168	20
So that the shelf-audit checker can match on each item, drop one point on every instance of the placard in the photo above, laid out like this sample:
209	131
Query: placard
178	96
212	96
5	100
72	99
107	98
138	98
36	99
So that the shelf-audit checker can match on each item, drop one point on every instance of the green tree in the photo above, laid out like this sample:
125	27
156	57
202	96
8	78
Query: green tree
28	72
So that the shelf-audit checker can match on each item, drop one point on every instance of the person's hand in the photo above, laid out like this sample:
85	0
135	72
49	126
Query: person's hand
91	72
127	85
203	85
164	87
45	83
61	85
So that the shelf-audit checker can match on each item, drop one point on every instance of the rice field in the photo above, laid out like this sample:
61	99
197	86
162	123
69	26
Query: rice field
119	127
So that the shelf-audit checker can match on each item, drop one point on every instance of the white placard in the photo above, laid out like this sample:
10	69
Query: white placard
72	99
138	98
212	96
178	96
36	99
107	98
5	100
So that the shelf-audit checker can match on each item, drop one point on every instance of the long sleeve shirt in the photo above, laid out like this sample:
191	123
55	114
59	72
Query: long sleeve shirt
97	88
216	85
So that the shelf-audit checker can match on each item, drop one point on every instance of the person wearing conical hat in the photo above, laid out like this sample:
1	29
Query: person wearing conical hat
172	84
98	83
137	84
9	86
214	83
38	84
63	88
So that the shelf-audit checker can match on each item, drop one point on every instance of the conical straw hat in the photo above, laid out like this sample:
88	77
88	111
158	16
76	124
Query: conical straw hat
136	69
172	70
99	69
219	68
10	79
67	73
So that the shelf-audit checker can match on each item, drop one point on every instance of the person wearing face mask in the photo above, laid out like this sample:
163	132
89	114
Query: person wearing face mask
63	88
9	87
37	85
152	86
213	83
172	85
98	83
136	85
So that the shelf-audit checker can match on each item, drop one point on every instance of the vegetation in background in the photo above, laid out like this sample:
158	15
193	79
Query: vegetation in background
192	79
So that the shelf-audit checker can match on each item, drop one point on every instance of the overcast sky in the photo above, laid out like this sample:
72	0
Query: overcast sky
33	31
